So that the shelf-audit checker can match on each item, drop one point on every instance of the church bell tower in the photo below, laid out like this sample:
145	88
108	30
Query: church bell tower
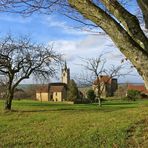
65	74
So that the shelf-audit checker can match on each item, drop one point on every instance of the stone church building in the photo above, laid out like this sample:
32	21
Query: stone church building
55	91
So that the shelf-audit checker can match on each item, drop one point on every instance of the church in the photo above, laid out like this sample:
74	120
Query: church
56	92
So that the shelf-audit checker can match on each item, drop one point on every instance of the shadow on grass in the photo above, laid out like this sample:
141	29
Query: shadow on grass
120	103
107	106
45	110
41	104
95	109
106	103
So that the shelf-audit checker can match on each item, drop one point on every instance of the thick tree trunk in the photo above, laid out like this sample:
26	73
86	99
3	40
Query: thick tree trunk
144	7
145	78
124	40
8	101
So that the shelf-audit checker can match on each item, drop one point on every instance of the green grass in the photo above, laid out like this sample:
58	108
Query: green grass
58	125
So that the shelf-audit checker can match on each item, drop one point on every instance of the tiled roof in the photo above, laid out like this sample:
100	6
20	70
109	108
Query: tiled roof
43	88
56	88
51	87
57	84
140	88
103	78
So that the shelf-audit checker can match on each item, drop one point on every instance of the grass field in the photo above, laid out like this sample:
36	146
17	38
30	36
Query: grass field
117	124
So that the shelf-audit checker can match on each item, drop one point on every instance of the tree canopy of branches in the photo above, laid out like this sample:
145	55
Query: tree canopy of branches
19	59
122	26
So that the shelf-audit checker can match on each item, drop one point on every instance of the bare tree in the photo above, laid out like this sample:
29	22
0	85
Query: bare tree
110	15
101	74
19	59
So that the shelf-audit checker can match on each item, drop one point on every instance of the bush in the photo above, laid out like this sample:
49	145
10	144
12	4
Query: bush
133	94
91	95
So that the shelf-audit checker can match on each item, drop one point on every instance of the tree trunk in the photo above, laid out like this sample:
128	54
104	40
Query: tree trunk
8	101
99	95
99	101
144	7
125	41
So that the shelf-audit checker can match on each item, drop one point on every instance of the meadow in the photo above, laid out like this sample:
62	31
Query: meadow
117	124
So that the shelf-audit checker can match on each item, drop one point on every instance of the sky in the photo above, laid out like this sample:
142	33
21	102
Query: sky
73	43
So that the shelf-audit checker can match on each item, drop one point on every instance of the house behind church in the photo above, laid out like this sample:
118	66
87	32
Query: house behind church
107	85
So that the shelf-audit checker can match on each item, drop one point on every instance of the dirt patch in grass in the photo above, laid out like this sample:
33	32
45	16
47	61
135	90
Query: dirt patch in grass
137	135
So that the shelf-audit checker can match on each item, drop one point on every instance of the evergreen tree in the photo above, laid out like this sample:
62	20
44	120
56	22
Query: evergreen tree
73	92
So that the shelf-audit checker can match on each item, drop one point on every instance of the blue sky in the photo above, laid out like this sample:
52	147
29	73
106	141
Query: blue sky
73	43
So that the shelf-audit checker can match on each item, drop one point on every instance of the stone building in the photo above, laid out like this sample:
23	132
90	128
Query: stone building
107	86
42	93
55	91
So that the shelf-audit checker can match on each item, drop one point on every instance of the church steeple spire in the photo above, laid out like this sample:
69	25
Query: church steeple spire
65	65
65	74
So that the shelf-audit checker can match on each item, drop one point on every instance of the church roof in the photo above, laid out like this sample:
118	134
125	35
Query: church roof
51	87
56	88
43	88
57	84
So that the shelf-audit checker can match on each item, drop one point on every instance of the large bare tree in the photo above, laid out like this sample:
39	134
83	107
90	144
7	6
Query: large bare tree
122	26
19	59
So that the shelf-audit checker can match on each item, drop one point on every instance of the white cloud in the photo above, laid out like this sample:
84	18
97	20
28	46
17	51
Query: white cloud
53	22
94	42
65	26
90	46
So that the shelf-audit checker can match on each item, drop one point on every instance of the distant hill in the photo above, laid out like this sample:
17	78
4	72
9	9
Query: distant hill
26	86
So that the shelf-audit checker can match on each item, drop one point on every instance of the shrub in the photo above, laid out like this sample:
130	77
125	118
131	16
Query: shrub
91	95
133	94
